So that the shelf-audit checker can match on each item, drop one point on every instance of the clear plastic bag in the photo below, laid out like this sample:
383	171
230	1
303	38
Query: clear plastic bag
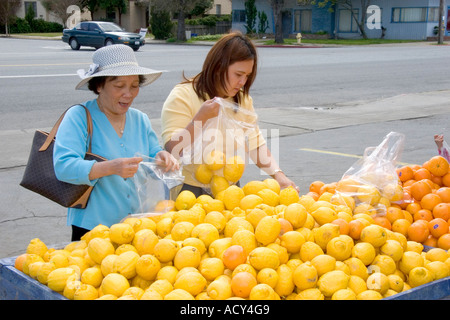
373	178
220	149
156	189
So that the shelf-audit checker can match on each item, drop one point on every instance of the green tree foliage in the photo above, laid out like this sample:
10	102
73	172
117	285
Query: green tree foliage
160	24
250	16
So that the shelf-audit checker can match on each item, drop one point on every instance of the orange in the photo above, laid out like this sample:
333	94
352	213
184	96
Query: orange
423	214
355	228
394	213
314	195
444	241
420	188
315	186
234	256
328	187
444	193
438	166
18	263
242	283
344	227
438	227
401	226
383	221
422	173
407	198
408	183
446	180
436	180
431	241
442	210
285	226
405	173
418	231
429	201
412	208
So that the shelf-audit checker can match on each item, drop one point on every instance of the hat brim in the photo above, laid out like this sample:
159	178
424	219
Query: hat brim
149	74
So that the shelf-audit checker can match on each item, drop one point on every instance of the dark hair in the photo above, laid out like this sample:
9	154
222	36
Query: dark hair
231	48
98	82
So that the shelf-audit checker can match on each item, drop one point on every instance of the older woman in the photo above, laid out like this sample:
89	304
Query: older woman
228	72
119	133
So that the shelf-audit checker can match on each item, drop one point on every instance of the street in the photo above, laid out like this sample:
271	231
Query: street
321	107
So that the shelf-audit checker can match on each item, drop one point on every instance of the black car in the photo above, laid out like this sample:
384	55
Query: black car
98	34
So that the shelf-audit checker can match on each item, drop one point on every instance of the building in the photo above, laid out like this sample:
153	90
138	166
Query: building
398	19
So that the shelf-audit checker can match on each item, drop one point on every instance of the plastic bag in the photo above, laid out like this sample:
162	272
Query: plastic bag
220	149
373	179
156	189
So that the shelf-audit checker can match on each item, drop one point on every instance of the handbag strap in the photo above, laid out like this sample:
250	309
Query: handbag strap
52	133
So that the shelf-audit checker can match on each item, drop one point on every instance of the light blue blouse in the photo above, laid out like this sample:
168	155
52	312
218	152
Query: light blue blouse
113	197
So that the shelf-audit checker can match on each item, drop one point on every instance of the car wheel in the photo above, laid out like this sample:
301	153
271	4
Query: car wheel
108	42
74	44
135	48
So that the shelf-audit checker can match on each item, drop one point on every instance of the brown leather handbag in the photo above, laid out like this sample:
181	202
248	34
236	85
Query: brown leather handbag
39	175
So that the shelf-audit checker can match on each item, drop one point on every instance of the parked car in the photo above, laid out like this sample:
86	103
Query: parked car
98	34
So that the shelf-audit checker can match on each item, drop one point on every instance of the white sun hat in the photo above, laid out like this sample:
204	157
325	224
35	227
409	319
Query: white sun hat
115	60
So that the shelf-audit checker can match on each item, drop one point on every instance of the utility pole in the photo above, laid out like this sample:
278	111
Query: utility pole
441	22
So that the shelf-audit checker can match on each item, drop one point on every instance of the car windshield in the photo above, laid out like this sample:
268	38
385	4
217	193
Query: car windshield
110	27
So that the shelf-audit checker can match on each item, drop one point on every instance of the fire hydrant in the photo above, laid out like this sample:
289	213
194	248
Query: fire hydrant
299	38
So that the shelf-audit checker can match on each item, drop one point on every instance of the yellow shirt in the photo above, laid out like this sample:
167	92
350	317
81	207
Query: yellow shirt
180	108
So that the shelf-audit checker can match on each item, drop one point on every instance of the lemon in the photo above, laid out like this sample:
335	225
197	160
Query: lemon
195	242
205	232
58	278
378	281
382	263
217	219
188	256
33	269
192	282
364	251
151	294
166	249
114	284
125	264
163	227
85	292
162	286
124	247
323	263
203	174
254	186
323	215
246	239
396	283
309	250
168	273
215	160
121	233
234	168
292	241
263	257
310	294
289	195
393	249
147	267
357	267
436	254
262	291
214	205
419	276
181	230
145	241
134	292
244	267
269	196
70	288
60	258
235	224
410	260
211	268
185	200
438	269
325	233
369	295
414	246
218	246
305	276
393	192
232	197
218	184
99	231
108	263
332	281
356	284
272	184
285	284
369	194
296	214
267	230
99	248
92	276
179	294
283	254
44	271
255	215
340	247
268	276
37	246
220	288
250	201
374	234
343	294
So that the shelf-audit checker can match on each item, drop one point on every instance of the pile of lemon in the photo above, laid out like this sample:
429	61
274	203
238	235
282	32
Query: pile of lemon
253	242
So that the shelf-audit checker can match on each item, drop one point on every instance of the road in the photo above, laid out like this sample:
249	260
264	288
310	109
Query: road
320	107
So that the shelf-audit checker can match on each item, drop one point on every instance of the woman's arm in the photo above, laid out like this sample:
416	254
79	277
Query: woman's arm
124	167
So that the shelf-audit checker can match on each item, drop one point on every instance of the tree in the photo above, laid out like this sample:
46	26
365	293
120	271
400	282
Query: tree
160	24
348	4
263	24
91	5
277	7
250	16
112	5
8	9
181	8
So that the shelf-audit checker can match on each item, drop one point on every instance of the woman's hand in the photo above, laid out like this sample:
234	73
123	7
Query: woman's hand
285	182
209	109
167	160
124	167
439	140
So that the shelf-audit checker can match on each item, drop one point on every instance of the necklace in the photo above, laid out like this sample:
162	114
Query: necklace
114	122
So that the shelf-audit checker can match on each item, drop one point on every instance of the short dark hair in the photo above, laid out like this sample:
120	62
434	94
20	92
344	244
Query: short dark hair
97	82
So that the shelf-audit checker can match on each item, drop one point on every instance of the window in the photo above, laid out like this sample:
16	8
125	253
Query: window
409	14
218	9
433	14
347	22
239	16
302	20
31	5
